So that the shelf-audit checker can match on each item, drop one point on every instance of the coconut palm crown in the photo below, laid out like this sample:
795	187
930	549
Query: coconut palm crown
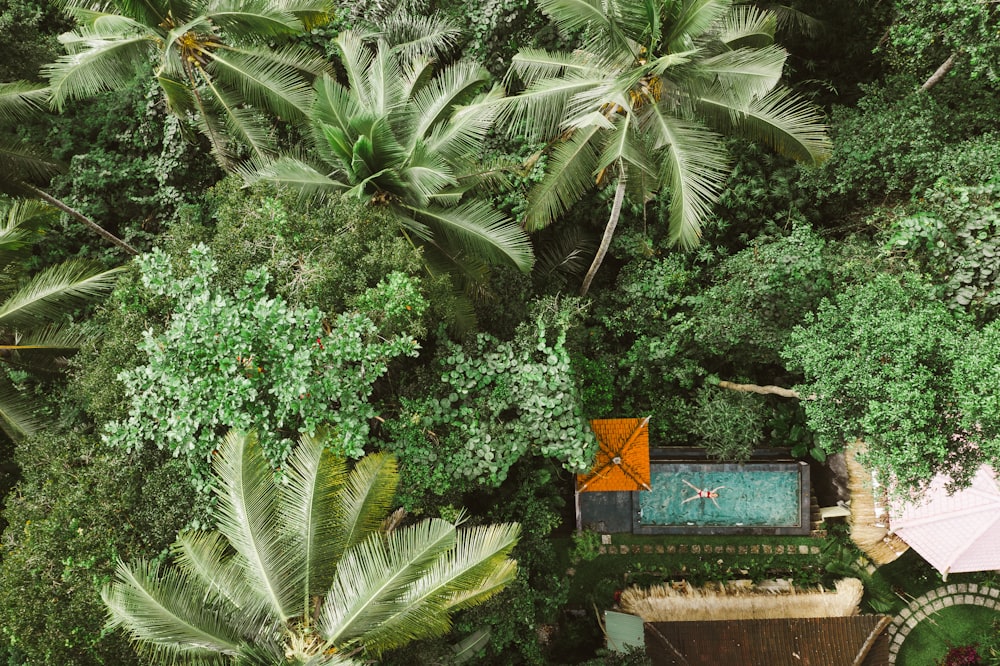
308	571
643	100
400	135
214	59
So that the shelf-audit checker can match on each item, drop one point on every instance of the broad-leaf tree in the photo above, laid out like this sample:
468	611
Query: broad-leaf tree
644	102
34	314
308	571
222	61
398	134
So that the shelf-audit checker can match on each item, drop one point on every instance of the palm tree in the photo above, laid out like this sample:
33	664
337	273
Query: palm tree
308	571
22	166
403	138
641	102
34	315
214	59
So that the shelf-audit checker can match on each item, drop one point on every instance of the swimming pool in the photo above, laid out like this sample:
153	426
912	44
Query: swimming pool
715	498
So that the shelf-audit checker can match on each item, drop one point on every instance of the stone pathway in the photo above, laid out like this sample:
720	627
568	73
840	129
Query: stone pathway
926	605
608	548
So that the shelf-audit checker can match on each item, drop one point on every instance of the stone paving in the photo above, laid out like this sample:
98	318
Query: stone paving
710	549
923	606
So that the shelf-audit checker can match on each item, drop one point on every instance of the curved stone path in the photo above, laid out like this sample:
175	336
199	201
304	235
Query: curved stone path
926	605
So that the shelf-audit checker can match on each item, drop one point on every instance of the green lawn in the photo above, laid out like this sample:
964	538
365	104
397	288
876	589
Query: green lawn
950	627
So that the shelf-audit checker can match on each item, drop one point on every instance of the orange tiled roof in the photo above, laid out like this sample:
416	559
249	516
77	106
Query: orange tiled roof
623	459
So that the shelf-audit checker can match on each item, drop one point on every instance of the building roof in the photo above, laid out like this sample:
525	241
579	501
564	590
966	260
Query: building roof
859	640
954	532
623	459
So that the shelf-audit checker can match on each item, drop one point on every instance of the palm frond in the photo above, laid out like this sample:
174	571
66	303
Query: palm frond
335	105
95	65
19	417
748	26
223	118
427	174
487	232
383	83
264	83
248	518
372	573
694	165
694	18
789	124
207	557
146	12
573	15
252	21
745	74
365	500
569	173
21	164
473	570
539	110
54	292
56	337
625	144
794	21
435	103
155	604
412	36
356	59
22	99
307	507
462	136
532	64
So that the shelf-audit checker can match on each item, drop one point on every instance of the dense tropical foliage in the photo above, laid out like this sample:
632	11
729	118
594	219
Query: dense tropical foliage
357	225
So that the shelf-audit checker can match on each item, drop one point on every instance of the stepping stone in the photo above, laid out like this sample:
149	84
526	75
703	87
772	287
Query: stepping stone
754	550
696	549
920	615
603	550
623	550
647	549
671	549
718	549
779	550
659	549
683	548
814	550
970	599
742	550
973	588
730	550
952	589
767	549
912	622
803	549
949	601
994	592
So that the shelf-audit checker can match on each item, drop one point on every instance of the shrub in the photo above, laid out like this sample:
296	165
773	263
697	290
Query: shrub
247	360
496	402
77	508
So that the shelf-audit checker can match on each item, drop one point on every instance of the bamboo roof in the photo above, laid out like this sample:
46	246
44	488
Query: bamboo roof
623	458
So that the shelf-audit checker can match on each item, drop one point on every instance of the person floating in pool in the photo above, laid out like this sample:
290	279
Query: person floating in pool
702	493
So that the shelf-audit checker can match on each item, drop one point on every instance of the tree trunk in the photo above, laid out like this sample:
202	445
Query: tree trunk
764	390
609	232
77	215
940	72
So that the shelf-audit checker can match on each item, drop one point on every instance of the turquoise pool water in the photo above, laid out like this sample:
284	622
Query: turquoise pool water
748	496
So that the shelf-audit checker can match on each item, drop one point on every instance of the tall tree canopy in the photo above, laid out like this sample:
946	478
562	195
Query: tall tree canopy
221	61
641	101
403	136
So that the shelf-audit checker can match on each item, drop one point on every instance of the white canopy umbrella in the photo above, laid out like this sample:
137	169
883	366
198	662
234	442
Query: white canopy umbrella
958	532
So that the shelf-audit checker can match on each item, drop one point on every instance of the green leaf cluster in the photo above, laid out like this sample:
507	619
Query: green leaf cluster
495	402
248	359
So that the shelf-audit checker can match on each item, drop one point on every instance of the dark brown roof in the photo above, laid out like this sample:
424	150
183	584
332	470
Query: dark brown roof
833	641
